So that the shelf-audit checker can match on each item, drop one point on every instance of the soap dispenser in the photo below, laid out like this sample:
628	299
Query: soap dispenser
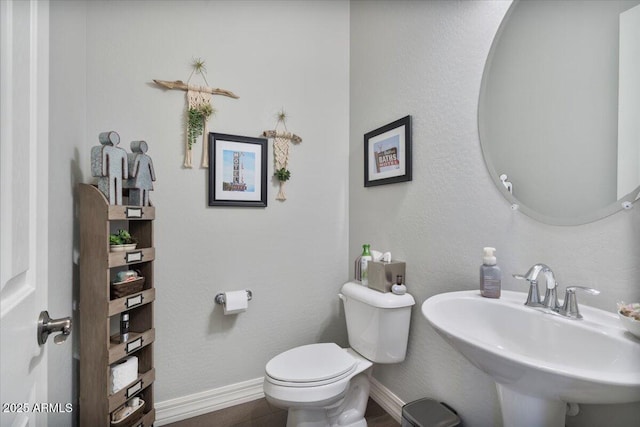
490	275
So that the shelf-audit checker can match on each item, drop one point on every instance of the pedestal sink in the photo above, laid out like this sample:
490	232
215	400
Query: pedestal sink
539	360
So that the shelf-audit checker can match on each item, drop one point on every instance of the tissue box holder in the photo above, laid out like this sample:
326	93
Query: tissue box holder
383	274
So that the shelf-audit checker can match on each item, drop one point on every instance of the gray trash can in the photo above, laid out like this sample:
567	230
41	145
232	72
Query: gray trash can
428	413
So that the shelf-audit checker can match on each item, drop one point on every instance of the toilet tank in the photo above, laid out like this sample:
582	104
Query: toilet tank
377	322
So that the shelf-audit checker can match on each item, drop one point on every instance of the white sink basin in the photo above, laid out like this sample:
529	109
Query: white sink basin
540	360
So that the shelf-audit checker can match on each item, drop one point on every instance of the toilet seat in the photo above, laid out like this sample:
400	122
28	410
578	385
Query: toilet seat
313	394
311	365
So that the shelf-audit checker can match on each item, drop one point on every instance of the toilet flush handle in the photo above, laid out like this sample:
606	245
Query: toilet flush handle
342	297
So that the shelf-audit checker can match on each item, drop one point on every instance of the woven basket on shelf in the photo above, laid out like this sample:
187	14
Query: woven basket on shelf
133	418
122	289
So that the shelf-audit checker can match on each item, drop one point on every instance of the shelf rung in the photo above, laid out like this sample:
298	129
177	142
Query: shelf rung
137	299
131	213
120	259
119	350
147	419
118	399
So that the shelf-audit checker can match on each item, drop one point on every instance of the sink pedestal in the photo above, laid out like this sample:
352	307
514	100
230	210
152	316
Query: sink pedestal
519	409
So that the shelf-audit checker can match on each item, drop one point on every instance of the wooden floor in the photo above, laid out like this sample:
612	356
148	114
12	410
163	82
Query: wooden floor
260	413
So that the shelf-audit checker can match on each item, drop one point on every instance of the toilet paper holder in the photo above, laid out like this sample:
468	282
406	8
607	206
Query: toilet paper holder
220	298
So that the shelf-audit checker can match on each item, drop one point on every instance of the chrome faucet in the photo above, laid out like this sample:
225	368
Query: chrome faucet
550	296
570	304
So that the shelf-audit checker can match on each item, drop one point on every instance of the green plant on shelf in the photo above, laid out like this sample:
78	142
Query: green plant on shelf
121	237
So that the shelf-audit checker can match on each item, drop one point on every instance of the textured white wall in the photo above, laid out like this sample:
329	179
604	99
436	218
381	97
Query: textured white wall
68	153
292	255
426	59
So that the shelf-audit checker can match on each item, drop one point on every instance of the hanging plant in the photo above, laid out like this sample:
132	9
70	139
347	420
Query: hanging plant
199	67
283	174
281	142
196	118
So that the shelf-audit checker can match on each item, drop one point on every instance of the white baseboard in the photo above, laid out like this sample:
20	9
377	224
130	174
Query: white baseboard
386	399
181	408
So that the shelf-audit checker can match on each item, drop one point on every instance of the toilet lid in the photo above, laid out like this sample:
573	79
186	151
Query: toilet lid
310	363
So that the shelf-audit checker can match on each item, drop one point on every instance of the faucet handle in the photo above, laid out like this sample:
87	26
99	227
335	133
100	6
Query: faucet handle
533	299
570	306
586	289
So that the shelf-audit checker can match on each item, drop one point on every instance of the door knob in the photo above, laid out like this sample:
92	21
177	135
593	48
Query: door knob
47	326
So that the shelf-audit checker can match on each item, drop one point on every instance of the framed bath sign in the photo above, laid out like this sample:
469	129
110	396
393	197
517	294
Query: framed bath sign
237	170
387	153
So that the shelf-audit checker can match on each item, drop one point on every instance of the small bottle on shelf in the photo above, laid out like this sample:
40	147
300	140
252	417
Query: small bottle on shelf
364	264
124	327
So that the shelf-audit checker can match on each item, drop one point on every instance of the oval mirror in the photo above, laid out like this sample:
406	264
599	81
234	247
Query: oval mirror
559	109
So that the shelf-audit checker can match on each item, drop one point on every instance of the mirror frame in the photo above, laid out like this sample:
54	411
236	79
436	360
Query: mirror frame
626	202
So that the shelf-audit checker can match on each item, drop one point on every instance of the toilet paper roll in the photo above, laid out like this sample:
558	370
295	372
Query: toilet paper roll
235	302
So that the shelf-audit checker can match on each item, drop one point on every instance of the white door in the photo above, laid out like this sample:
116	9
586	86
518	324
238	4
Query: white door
24	51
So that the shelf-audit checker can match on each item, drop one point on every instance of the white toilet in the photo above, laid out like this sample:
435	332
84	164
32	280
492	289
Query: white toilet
323	385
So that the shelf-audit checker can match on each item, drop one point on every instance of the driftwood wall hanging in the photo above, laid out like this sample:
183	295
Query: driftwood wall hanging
199	109
281	140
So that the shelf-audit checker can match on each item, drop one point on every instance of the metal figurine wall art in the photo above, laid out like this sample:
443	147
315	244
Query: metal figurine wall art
281	142
141	174
109	164
116	169
199	110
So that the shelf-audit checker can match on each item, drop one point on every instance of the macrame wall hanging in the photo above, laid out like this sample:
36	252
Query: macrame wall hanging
281	140
199	110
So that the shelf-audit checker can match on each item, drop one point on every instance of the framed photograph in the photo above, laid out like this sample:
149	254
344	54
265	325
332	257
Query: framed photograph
237	170
387	153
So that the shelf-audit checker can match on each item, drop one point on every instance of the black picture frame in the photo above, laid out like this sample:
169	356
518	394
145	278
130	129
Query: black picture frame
237	170
387	154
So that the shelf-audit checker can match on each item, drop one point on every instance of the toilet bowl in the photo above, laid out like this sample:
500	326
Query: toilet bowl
315	375
324	385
